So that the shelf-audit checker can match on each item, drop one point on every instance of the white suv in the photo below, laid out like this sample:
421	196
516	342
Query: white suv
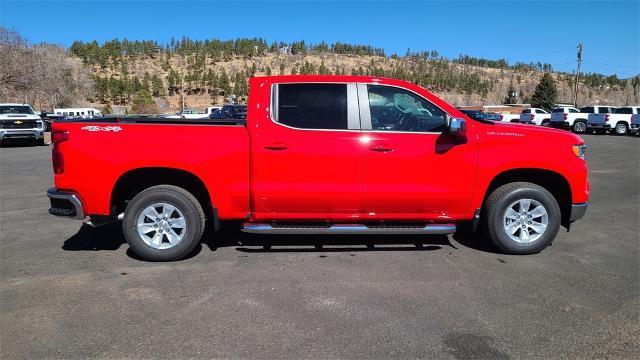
20	122
535	116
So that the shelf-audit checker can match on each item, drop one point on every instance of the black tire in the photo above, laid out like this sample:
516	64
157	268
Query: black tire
546	122
497	204
40	142
579	127
621	129
183	201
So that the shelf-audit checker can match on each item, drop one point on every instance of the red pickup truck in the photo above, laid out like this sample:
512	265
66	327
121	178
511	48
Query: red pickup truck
321	155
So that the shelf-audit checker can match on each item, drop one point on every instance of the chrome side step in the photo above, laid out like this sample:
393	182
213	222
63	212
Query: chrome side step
431	229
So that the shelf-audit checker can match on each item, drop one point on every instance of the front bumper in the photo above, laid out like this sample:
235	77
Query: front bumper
634	128
65	204
33	134
578	211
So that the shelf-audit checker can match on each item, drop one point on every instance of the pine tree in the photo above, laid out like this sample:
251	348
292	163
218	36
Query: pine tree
511	97
545	94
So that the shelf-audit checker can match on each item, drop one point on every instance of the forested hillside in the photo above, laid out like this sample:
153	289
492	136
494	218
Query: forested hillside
145	76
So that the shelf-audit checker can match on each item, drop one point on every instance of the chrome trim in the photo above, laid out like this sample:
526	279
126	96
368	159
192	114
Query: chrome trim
363	104
431	229
274	98
353	114
72	198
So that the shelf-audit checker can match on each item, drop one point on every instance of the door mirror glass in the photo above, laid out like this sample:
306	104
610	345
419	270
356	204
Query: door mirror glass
457	127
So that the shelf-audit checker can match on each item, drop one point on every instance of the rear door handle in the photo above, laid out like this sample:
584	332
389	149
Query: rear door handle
381	148
276	146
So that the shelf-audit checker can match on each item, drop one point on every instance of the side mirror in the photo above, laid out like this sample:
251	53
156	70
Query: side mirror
457	127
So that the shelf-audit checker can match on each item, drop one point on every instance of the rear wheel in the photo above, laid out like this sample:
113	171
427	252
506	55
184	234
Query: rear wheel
621	129
546	122
521	218
163	223
579	127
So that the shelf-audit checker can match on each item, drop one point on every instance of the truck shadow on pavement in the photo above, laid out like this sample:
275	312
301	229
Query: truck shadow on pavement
109	237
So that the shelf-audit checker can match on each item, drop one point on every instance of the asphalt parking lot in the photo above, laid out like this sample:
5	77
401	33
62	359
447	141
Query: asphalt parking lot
70	291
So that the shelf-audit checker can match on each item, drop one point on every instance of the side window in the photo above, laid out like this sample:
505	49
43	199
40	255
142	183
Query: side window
572	110
540	111
312	106
394	109
587	110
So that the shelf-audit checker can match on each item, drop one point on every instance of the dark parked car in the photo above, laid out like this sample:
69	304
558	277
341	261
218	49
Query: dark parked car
48	119
230	112
474	114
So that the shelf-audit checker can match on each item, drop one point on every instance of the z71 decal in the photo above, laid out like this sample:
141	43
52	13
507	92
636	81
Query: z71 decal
101	128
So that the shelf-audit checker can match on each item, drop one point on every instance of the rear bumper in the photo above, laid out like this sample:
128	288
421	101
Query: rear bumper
65	204
578	211
598	126
34	134
560	124
634	128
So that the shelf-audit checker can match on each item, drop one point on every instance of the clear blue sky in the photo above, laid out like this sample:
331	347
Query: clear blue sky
545	31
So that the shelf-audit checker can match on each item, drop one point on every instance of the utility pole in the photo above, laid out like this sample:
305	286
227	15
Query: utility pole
575	90
182	93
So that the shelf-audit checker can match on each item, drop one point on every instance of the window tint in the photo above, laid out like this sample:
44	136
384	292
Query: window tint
558	110
394	109
313	106
538	111
624	110
587	109
572	110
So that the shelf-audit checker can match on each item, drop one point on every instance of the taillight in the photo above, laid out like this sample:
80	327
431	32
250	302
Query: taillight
566	116
606	117
58	136
57	159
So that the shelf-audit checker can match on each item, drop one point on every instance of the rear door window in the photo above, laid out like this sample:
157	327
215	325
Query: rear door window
587	110
624	110
312	106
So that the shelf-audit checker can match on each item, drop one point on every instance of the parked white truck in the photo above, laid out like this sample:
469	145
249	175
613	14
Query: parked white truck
193	114
569	118
619	120
535	116
20	122
598	119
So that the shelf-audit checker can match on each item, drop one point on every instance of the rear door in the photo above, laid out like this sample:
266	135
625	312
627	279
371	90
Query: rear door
307	154
412	169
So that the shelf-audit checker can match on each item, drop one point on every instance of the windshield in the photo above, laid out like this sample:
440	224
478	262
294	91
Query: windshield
15	109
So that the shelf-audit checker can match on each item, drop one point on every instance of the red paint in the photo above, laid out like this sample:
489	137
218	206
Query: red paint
267	171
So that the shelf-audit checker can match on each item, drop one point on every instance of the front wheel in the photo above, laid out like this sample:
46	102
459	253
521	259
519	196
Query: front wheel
163	223
521	218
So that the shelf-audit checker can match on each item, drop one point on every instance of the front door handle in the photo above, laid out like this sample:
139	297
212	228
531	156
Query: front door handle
276	146
381	148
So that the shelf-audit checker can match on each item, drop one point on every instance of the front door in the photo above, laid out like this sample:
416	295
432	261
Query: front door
307	157
412	169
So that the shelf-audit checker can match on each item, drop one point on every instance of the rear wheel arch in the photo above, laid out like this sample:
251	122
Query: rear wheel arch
135	181
550	180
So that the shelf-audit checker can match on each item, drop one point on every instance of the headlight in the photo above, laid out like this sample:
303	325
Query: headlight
580	151
39	124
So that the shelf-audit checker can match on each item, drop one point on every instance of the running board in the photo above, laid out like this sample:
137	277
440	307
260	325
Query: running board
431	229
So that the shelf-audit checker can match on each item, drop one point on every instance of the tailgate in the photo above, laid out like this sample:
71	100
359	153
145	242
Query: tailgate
559	117
599	119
